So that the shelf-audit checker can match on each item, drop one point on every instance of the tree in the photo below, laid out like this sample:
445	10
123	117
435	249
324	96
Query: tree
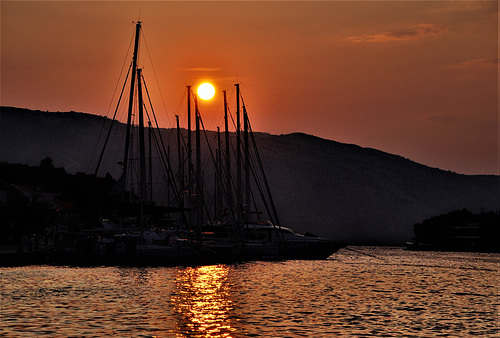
47	163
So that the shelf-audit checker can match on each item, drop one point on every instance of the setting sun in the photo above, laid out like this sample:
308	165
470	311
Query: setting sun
206	91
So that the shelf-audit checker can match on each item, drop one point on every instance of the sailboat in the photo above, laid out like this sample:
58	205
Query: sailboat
243	234
140	232
136	231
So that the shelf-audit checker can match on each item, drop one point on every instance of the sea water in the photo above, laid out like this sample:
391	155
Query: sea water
359	291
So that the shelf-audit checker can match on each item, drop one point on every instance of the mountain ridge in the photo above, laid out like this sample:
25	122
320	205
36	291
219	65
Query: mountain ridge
337	190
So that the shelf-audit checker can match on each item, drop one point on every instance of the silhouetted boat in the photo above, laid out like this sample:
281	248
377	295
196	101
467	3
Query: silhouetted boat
265	241
141	234
242	234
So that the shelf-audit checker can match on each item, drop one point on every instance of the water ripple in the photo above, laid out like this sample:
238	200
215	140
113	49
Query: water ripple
361	291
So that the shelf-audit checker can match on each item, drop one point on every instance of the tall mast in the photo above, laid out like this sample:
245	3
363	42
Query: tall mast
142	151
238	159
131	102
150	163
189	153
218	179
199	201
247	158
179	160
189	145
228	153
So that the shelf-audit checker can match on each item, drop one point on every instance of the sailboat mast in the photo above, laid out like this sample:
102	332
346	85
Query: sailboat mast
131	102
218	179
142	150
228	153
189	154
150	163
238	159
179	160
247	158
199	201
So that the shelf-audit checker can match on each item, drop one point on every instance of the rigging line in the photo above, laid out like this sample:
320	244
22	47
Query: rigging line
166	165
166	160
232	147
151	133
156	78
230	100
112	122
259	183
152	129
232	119
232	183
220	122
180	104
158	150
112	99
266	185
165	191
206	160
185	159
222	182
261	167
231	96
215	120
231	205
121	71
205	206
165	177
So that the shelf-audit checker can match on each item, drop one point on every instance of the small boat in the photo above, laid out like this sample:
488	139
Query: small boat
265	241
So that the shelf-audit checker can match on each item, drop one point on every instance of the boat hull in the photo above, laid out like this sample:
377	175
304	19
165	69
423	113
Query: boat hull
209	253
275	250
165	257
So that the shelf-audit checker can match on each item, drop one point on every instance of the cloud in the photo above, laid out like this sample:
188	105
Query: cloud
200	69
484	63
408	33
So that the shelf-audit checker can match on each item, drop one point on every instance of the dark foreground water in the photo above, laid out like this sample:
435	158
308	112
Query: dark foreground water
360	291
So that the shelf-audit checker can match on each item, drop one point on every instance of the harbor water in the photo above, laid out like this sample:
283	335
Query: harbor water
359	291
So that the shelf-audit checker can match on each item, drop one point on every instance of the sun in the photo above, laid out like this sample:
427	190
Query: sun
206	91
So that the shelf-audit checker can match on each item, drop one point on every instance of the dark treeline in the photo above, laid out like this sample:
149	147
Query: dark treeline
34	198
461	230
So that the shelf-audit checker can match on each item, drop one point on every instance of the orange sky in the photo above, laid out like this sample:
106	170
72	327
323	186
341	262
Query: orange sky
417	79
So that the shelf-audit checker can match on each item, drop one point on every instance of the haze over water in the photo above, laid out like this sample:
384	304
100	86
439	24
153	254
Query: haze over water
359	291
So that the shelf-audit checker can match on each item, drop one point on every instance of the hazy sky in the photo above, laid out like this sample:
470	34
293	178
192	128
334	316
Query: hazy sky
413	78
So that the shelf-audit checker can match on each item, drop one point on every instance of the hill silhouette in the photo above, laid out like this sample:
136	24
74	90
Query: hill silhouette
336	190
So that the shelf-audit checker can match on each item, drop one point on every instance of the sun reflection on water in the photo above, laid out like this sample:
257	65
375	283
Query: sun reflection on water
202	301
